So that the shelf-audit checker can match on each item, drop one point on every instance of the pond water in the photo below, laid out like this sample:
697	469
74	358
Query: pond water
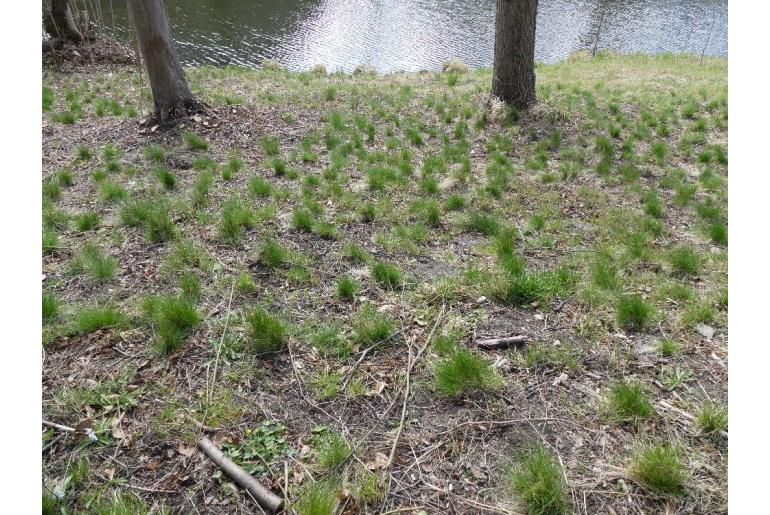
419	34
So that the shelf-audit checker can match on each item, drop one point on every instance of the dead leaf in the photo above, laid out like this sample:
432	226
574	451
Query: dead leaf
380	462
153	465
186	450
109	473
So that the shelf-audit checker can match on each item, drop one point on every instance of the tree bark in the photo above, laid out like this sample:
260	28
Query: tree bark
170	92
513	77
61	24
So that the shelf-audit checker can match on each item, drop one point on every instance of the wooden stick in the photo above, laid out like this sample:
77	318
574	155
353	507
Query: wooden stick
496	343
59	426
266	499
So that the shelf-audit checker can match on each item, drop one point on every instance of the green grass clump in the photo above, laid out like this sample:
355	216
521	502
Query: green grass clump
267	332
201	188
272	254
303	220
668	347
525	287
320	498
711	419
653	205
165	176
154	153
483	223
52	190
463	371
537	480
629	401
718	233
50	307
685	261
100	266
455	202
153	217
87	221
260	187
83	153
659	467
90	319
387	275
370	326
329	342
194	141
604	274
271	146
172	318
347	287
633	312
50	241
235	217
333	451
109	192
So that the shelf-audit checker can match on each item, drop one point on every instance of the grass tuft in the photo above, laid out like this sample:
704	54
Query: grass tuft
172	318
463	371
633	313
659	467
91	319
685	261
267	332
537	480
347	287
387	275
629	402
194	141
711	419
370	326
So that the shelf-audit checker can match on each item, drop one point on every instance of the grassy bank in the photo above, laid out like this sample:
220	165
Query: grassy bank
308	267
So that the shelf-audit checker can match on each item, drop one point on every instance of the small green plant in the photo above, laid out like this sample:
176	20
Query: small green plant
329	342
537	480
389	276
711	419
633	312
50	307
194	141
333	449
50	241
87	221
347	287
165	176
259	187
604	273
668	347
270	145
303	220
172	318
370	326
235	217
718	233
52	190
201	187
659	467
319	498
463	371
455	202
483	223
259	448
154	153
91	319
267	332
272	254
685	261
629	401
245	284
100	266
110	192
652	204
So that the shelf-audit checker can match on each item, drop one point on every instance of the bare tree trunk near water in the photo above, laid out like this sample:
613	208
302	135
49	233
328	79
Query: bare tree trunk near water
513	77
60	23
170	92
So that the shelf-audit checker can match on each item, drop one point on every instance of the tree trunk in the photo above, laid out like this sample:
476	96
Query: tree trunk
170	92
61	24
513	77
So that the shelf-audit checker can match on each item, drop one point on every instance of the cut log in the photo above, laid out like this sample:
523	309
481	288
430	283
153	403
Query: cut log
497	343
266	499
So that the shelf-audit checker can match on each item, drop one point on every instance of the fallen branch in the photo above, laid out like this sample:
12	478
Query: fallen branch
60	427
496	343
264	497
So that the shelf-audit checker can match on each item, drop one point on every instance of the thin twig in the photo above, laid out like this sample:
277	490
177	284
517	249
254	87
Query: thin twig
60	427
350	372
